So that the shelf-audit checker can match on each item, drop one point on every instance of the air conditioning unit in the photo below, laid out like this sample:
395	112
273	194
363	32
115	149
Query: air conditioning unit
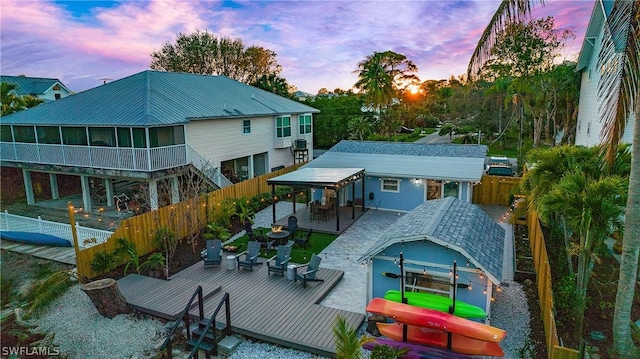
301	144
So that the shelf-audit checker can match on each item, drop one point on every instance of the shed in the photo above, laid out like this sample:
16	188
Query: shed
431	237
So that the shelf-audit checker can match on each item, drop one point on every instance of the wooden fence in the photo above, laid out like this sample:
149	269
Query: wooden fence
496	190
545	292
183	219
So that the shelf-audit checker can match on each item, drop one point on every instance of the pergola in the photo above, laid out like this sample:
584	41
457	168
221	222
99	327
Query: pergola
326	178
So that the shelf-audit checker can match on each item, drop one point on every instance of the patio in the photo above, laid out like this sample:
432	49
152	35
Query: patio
303	212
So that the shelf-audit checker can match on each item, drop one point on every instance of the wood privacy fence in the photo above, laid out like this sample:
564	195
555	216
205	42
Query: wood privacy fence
495	190
183	219
545	292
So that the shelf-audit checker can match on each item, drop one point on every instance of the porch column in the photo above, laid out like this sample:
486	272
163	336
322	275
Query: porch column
250	167
86	194
175	190
362	193
153	194
273	206
28	186
53	184
108	186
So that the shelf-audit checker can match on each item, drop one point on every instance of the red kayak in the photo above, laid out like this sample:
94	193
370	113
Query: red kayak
438	338
429	318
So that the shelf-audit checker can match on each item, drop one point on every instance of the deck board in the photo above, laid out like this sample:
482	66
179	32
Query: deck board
273	308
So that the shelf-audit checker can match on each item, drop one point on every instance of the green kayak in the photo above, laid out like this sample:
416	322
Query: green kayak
437	302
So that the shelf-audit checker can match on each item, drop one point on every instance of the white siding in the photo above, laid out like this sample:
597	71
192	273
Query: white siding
589	124
221	140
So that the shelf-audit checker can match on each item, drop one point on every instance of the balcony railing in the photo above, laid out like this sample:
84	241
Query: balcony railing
117	158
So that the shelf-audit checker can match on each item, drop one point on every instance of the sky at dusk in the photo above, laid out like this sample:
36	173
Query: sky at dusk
319	43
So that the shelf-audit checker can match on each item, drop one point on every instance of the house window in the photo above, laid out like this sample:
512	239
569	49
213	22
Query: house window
283	126
166	136
5	133
428	281
48	134
588	128
451	189
139	138
124	136
305	124
390	185
246	126
57	96
74	136
102	136
24	134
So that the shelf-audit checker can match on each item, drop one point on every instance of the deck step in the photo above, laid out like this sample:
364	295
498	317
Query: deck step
204	346
229	344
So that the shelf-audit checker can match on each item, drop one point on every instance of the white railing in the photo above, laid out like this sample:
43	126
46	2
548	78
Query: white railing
205	167
135	159
87	237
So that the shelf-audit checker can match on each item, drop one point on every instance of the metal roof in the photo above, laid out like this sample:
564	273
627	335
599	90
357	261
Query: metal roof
417	160
318	177
31	85
449	222
154	98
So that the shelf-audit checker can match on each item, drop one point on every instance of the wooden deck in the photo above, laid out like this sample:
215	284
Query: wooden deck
265	307
66	255
329	226
162	298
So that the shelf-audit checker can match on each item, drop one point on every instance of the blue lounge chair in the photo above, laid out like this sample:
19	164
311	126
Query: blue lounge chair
249	258
280	261
309	275
212	254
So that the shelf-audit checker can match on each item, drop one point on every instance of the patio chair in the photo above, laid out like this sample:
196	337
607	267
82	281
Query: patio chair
292	224
304	240
258	237
310	274
212	254
249	258
281	260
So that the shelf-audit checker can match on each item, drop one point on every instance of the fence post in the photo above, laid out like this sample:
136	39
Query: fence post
72	222
6	218
39	224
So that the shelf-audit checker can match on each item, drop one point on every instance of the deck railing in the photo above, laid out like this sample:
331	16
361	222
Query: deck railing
134	159
87	237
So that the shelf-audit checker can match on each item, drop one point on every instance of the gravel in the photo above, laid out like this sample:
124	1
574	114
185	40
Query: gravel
510	312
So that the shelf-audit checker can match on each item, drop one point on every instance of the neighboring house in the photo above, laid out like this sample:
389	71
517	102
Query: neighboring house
401	176
43	88
589	124
141	127
431	237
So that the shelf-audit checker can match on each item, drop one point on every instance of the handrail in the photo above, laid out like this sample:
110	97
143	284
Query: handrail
184	316
212	321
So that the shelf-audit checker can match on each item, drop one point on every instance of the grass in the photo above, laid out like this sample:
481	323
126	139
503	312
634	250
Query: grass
317	243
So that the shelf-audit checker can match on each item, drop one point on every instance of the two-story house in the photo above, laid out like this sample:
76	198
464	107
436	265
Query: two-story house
141	127
45	89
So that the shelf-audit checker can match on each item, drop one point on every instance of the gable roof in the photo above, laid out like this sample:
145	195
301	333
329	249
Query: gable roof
407	159
155	98
32	85
601	10
449	222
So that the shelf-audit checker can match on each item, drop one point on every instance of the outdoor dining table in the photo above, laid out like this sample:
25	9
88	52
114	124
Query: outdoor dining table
280	236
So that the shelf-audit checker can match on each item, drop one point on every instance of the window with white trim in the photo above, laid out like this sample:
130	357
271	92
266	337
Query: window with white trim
305	124
390	185
283	126
246	126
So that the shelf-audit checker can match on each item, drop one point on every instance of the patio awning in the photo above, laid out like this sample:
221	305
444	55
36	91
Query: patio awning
331	178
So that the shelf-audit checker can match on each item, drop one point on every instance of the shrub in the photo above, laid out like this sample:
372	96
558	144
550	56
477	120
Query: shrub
103	262
166	241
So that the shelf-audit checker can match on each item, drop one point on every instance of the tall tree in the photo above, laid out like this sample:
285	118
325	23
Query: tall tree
274	83
11	102
619	91
204	53
381	75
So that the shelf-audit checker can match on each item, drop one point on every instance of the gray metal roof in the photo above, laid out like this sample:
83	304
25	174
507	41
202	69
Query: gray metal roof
462	226
31	85
318	177
397	159
154	98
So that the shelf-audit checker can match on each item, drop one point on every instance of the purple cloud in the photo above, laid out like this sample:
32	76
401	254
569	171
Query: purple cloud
319	43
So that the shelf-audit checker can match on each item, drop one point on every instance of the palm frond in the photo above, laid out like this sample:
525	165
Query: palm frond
619	60
509	11
43	293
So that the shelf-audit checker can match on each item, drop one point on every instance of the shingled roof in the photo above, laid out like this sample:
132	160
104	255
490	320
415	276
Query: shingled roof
460	226
155	98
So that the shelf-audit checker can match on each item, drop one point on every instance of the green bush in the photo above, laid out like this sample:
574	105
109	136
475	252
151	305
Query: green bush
103	262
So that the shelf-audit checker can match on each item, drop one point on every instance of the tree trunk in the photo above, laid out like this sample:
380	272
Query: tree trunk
622	342
106	297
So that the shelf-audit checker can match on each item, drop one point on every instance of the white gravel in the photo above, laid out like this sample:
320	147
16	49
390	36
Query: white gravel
511	313
81	332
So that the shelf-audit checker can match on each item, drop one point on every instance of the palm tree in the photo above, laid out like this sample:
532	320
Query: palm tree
381	75
591	206
619	91
359	127
348	343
